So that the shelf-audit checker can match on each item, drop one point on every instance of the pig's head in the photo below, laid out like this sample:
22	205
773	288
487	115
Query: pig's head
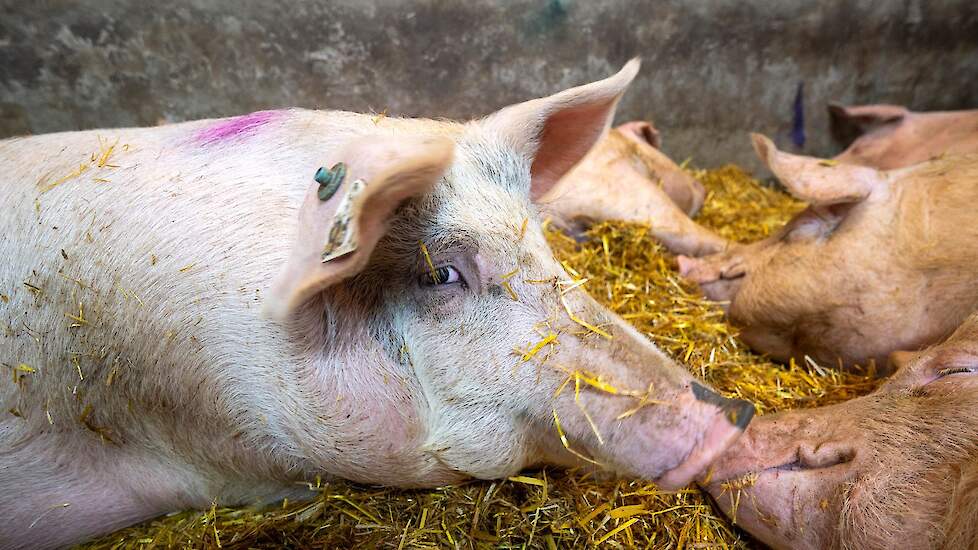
891	136
626	178
869	132
879	261
437	272
648	159
895	469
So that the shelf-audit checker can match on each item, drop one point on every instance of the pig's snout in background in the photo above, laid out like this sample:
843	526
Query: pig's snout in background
725	422
719	276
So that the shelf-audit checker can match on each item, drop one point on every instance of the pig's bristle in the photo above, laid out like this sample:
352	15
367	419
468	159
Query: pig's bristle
98	160
552	508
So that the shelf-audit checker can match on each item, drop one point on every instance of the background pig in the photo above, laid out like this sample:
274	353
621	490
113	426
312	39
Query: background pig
895	469
890	136
626	177
879	261
423	327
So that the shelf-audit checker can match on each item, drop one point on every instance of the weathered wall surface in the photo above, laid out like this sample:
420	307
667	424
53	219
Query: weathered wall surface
713	69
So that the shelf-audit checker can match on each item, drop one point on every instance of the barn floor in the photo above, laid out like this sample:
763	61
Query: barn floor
551	508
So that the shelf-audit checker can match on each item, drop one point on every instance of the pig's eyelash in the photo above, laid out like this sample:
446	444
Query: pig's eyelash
955	370
442	275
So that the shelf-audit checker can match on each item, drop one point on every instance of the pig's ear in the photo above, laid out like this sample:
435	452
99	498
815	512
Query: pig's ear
557	131
848	123
335	237
641	131
818	181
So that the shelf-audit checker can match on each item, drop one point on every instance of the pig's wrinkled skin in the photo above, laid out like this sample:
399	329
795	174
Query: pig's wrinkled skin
890	136
880	261
151	381
894	469
625	177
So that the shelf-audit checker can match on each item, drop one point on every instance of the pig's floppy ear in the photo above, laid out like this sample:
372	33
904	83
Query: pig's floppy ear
557	131
818	181
848	123
335	237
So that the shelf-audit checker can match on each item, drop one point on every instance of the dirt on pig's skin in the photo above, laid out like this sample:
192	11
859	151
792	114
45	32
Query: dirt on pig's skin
553	508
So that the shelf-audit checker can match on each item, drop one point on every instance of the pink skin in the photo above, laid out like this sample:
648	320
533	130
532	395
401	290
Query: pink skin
880	261
890	136
625	177
235	127
686	192
283	333
641	131
894	469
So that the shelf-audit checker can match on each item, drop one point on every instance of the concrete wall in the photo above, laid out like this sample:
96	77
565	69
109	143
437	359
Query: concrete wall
713	70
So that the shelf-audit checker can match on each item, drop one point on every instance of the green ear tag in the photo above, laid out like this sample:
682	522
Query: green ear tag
329	180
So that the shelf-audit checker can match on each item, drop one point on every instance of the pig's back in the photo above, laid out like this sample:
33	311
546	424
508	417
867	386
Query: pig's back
136	259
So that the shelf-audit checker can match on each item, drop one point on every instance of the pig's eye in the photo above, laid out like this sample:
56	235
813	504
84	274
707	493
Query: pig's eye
955	370
444	275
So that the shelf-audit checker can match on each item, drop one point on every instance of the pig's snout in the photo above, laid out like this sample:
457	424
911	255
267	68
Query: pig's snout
728	418
783	442
719	278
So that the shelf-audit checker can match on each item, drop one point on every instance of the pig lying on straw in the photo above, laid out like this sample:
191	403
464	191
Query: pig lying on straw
417	329
895	469
879	261
627	178
890	136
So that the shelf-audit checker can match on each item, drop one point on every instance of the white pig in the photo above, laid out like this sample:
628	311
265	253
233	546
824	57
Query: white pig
416	326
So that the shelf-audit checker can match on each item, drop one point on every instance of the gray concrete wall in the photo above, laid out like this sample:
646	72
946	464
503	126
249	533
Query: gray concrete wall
713	70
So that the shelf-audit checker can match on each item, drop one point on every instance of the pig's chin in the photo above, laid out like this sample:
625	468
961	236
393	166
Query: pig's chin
786	506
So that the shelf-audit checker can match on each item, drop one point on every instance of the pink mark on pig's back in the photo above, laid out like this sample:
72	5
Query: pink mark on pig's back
236	127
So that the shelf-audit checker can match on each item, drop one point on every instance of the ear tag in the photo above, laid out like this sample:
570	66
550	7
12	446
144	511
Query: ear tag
342	238
329	180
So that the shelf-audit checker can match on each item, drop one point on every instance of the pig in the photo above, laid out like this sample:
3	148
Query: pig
887	137
216	310
895	469
880	261
627	178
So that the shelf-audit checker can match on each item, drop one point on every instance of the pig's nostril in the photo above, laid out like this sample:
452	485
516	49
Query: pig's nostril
737	411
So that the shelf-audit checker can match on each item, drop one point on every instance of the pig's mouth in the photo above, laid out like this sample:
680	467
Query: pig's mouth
794	466
797	464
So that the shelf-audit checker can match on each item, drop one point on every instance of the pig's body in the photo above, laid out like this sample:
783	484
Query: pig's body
881	261
150	381
895	469
887	137
627	178
196	373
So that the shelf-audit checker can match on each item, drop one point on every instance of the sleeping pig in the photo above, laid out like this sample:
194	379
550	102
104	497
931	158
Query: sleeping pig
890	136
894	469
212	311
879	261
627	178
